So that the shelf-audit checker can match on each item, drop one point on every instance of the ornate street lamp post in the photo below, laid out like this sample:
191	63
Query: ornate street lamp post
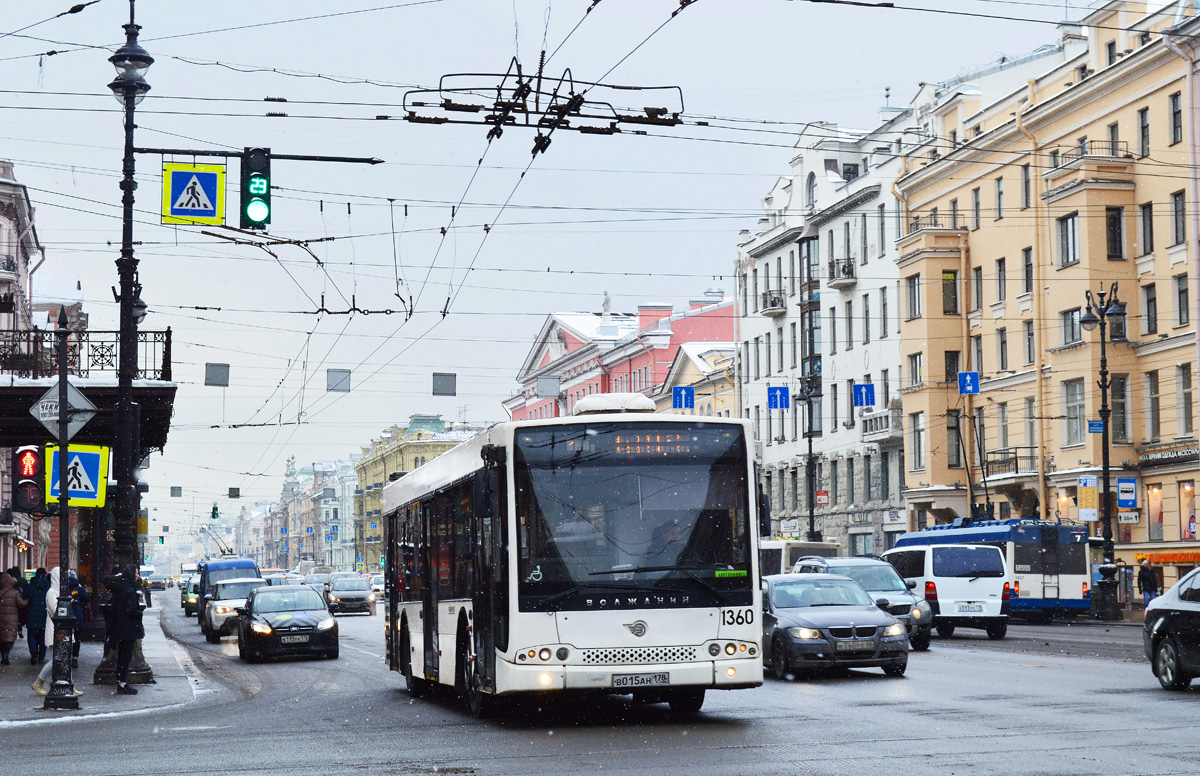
1103	310
810	390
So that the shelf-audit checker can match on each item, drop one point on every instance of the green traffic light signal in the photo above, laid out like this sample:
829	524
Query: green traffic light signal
256	188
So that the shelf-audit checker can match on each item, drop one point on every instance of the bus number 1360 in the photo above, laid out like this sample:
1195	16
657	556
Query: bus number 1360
737	616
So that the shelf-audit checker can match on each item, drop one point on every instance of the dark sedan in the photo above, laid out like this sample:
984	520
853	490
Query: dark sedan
351	594
1172	633
815	621
285	620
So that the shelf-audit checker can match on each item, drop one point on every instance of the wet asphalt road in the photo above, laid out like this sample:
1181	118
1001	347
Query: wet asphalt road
1048	700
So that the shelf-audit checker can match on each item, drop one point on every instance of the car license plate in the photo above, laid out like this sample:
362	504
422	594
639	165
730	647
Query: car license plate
855	646
293	639
970	608
641	680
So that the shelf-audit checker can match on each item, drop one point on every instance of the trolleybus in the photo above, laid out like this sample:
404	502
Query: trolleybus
1048	561
611	551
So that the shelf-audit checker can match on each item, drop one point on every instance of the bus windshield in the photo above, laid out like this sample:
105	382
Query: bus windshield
661	508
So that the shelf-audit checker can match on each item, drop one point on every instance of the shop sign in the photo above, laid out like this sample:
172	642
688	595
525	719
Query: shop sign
1168	456
1169	557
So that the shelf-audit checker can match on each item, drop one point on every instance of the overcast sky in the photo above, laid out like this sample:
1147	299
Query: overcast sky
649	219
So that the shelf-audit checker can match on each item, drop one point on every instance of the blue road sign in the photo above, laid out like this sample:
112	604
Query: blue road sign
87	475
283	530
374	525
864	395
1126	493
193	193
308	529
968	382
777	398
333	528
683	398
1095	426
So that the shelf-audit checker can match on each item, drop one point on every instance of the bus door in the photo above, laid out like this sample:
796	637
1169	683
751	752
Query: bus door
429	606
1050	562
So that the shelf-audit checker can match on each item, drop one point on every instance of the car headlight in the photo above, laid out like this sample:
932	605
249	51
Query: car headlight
326	624
331	598
191	598
371	597
223	609
895	629
259	627
804	633
917	613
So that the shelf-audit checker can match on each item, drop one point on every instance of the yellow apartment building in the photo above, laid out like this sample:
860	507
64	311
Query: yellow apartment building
1016	205
708	369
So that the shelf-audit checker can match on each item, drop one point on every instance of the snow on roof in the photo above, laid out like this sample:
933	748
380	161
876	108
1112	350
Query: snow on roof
705	354
593	326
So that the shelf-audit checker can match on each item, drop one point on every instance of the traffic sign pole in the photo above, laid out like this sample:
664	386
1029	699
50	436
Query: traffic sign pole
61	694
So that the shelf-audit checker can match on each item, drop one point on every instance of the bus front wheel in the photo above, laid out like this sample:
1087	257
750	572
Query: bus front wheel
686	701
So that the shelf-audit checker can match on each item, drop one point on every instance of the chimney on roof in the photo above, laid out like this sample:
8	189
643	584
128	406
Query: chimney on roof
650	314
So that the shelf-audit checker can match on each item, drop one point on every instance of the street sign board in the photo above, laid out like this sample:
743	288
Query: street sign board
1089	499
968	382
193	193
683	398
1095	426
822	497
87	475
864	395
308	529
777	398
1126	493
46	410
1128	518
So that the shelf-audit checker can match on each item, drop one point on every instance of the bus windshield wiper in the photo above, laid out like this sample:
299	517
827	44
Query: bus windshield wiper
645	569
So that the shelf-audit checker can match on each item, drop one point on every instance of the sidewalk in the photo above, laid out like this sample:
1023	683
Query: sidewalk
19	705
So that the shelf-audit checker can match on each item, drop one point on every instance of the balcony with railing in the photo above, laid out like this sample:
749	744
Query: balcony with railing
1012	460
930	236
1102	162
842	273
8	269
89	354
882	424
773	303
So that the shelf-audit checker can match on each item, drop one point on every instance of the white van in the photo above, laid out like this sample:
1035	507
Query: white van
966	585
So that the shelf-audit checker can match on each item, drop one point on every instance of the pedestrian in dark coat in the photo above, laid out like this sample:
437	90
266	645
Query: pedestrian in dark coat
36	593
11	602
1147	582
79	599
19	583
125	624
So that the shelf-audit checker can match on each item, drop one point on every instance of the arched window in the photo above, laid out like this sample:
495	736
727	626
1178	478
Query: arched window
810	189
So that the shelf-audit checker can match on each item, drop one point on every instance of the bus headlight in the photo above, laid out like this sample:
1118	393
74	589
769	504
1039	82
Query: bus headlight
544	654
895	629
563	653
545	679
730	649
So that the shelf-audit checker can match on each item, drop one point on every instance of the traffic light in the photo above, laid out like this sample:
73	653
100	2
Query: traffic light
256	188
29	479
215	514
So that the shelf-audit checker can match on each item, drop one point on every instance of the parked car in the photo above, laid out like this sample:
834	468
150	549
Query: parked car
1171	633
966	585
378	586
289	620
189	594
220	617
823	621
351	594
880	580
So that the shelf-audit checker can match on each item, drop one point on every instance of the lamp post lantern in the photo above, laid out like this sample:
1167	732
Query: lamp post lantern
810	389
1103	310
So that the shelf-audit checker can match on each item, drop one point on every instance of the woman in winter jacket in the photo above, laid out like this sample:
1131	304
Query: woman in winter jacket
10	614
39	685
35	591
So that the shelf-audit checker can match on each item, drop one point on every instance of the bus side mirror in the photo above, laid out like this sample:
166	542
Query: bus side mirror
764	515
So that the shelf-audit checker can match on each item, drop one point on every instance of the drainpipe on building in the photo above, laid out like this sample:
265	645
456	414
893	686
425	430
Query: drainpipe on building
1038	318
967	419
737	336
1193	101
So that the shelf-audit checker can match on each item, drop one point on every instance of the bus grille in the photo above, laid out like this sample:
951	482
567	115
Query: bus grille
617	656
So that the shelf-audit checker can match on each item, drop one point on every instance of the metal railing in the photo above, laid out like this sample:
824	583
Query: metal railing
773	300
89	353
1012	460
842	269
1117	148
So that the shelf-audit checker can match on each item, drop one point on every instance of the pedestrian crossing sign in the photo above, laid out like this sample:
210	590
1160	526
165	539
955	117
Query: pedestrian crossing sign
87	475
193	193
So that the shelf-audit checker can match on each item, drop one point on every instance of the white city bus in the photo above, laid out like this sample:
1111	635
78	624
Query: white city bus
611	551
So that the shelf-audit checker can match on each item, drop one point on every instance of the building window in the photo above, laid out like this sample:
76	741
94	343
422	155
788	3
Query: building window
866	308
1150	308
835	497
1153	413
831	245
1073	410
1001	280
1070	327
883	319
1146	218
1027	270
949	292
916	366
1110	52
1178	219
1176	108
832	330
1068	240
767	348
1030	348
1143	119
795	346
770	426
953	361
954	213
1002	425
1002	349
916	424
846	240
976	288
1187	410
887	387
791	273
976	209
1118	392
850	477
1114	139
757	358
1114	232
882	230
745	363
913	283
977	353
1183	313
758	421
863	237
954	439
833	409
1026	186
868	492
1030	423
999	198
885	475
810	190
849	324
